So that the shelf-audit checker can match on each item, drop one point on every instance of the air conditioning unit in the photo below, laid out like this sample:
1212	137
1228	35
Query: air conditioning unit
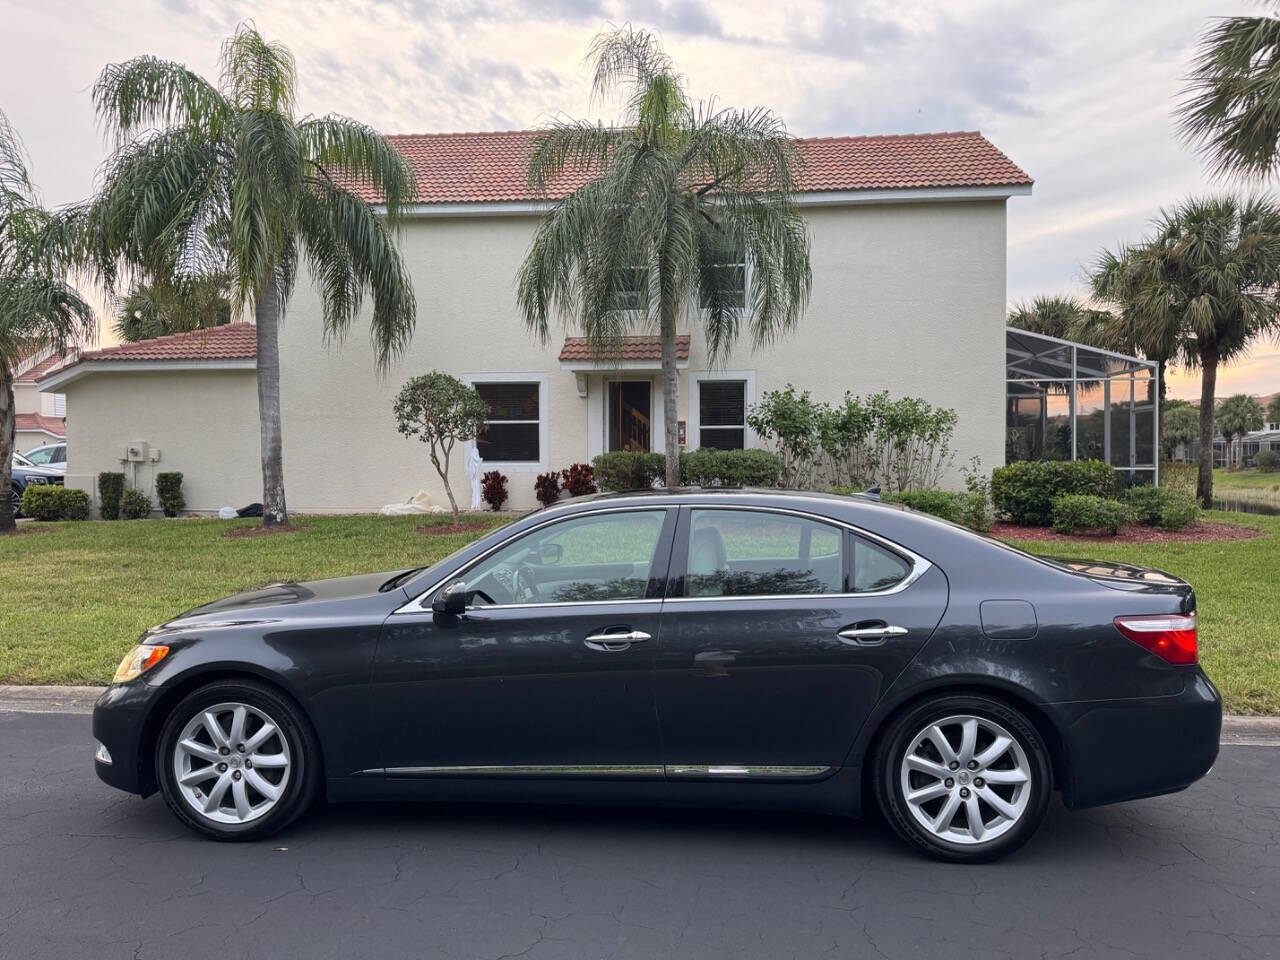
138	451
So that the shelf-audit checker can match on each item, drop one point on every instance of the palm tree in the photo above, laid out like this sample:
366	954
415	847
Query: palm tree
1206	284
227	180
1232	105
161	308
39	310
1273	409
1236	416
1053	316
678	191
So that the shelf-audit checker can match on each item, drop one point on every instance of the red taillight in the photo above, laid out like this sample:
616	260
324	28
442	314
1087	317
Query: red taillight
1169	636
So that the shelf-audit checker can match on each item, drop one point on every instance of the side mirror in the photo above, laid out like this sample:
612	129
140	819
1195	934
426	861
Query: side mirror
452	600
549	554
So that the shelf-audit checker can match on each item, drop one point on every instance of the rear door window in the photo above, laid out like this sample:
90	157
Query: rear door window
752	553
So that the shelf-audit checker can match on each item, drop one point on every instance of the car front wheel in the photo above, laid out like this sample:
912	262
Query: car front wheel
236	760
963	778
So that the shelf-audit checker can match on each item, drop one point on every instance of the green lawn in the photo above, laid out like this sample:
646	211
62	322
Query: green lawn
74	596
1250	479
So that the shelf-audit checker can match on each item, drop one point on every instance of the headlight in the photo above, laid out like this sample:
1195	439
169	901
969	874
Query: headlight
138	661
36	480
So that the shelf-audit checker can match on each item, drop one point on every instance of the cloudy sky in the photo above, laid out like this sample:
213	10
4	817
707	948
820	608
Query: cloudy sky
1078	92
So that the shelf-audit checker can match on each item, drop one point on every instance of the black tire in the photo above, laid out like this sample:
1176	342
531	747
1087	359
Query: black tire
903	732
304	777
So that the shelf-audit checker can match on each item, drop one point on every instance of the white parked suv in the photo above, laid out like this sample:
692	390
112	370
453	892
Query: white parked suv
52	456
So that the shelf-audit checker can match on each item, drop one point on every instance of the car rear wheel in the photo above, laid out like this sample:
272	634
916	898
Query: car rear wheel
963	778
236	760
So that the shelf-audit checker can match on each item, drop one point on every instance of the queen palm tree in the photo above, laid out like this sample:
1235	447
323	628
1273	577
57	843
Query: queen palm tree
676	193
1206	283
1232	105
39	310
227	180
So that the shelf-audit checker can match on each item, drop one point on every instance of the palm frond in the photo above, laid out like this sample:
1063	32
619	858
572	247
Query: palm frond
581	145
258	74
340	145
149	92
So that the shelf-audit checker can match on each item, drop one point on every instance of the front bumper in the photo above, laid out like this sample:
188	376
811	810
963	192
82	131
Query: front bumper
1127	749
119	724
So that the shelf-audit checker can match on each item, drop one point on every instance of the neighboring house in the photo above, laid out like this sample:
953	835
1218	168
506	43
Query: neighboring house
908	255
41	417
1243	449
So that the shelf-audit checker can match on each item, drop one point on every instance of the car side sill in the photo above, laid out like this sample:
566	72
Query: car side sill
715	771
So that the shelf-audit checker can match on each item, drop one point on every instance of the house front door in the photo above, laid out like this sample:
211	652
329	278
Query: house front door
628	415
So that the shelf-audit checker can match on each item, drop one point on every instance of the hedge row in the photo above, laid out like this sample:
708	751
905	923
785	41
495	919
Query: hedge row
55	502
1025	491
628	470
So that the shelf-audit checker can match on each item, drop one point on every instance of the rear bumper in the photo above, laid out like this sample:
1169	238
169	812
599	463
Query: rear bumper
119	719
1127	749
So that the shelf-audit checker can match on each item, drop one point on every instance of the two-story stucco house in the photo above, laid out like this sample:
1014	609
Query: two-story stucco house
41	418
908	256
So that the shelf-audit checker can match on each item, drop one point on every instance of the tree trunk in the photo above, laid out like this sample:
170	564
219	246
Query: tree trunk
670	389
1161	367
8	426
266	314
1208	383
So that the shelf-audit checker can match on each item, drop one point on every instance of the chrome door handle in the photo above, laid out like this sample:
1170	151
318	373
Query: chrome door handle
870	635
612	641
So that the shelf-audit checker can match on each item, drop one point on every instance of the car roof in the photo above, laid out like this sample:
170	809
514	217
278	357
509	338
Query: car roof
691	494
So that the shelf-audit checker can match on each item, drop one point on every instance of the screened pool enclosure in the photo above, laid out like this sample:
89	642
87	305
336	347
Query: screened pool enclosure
1068	401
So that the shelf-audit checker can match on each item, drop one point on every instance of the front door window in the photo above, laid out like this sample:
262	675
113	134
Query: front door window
629	415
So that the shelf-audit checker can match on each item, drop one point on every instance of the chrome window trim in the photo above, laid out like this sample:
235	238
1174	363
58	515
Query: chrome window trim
919	565
417	604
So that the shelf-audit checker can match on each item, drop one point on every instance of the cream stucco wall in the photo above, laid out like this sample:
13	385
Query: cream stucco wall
907	298
203	422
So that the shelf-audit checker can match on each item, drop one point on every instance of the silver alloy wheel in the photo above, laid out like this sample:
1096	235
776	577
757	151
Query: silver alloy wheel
966	779
231	763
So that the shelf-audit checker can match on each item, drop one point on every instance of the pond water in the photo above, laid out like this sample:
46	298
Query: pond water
1268	507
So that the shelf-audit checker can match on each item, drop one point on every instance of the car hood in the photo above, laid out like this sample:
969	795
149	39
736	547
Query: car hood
256	603
20	471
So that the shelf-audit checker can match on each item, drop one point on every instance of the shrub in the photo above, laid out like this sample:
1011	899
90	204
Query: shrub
791	422
969	509
110	490
547	488
1162	507
579	479
1267	461
730	468
493	489
628	470
1077	512
1025	491
135	505
54	502
169	492
75	504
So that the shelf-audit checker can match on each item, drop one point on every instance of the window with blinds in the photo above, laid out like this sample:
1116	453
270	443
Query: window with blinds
511	430
722	414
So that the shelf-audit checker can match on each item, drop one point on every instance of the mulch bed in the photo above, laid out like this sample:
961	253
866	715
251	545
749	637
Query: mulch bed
432	529
246	533
1200	532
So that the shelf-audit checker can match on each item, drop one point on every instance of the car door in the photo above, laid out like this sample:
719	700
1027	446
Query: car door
549	672
780	633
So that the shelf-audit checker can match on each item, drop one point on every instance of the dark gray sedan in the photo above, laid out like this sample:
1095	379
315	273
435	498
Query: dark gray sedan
747	648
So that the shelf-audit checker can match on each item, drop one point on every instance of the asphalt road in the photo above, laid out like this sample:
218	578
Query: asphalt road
89	872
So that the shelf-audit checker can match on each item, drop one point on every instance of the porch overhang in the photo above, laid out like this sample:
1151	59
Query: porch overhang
640	354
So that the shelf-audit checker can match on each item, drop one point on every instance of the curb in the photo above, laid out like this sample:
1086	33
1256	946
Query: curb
14	698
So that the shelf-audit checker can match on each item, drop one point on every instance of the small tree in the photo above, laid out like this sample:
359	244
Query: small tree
440	410
1236	416
1273	409
1180	424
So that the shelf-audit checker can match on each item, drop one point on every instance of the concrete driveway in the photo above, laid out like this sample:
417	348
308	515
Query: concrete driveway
89	872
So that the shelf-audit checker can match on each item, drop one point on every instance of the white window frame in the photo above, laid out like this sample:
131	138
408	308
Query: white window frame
60	405
541	379
693	429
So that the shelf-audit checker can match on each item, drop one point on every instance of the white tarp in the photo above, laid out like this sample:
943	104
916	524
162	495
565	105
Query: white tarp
420	502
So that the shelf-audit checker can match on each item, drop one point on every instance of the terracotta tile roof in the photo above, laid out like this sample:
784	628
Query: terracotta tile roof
232	341
628	348
38	421
38	370
491	167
